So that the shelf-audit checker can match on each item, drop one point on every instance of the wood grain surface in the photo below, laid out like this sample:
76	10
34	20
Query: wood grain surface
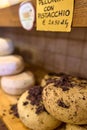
9	16
2	125
80	14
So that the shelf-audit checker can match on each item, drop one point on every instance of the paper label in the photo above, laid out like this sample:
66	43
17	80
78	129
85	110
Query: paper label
27	15
54	15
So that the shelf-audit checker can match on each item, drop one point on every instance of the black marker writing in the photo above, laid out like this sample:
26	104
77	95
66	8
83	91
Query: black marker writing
44	2
54	14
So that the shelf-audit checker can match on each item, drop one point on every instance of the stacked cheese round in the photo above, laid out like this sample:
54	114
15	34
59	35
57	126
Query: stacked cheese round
14	80
6	47
11	64
17	84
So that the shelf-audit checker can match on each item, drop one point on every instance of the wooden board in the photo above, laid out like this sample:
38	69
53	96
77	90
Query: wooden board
11	122
9	16
80	14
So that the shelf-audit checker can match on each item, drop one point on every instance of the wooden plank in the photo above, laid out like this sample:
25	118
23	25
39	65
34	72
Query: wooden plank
80	14
5	102
2	125
9	16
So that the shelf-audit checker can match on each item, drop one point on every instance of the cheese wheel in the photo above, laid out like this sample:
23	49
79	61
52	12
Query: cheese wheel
32	112
7	3
17	84
10	65
65	98
6	47
76	127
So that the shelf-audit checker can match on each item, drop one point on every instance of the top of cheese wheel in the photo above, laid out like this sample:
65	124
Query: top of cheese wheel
6	47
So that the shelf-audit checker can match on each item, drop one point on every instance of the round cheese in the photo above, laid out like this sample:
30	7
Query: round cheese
6	47
10	65
17	84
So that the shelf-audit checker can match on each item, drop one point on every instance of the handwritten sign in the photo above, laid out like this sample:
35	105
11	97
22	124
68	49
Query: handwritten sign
54	15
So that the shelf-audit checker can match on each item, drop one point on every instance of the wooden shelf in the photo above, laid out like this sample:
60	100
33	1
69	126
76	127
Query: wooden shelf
80	14
9	16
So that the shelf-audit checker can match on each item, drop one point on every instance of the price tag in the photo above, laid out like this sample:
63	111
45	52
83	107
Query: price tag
54	15
27	15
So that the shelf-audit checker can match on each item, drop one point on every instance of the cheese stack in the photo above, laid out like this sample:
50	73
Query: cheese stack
13	80
7	3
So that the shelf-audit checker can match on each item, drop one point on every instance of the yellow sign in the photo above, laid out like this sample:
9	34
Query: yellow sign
54	15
